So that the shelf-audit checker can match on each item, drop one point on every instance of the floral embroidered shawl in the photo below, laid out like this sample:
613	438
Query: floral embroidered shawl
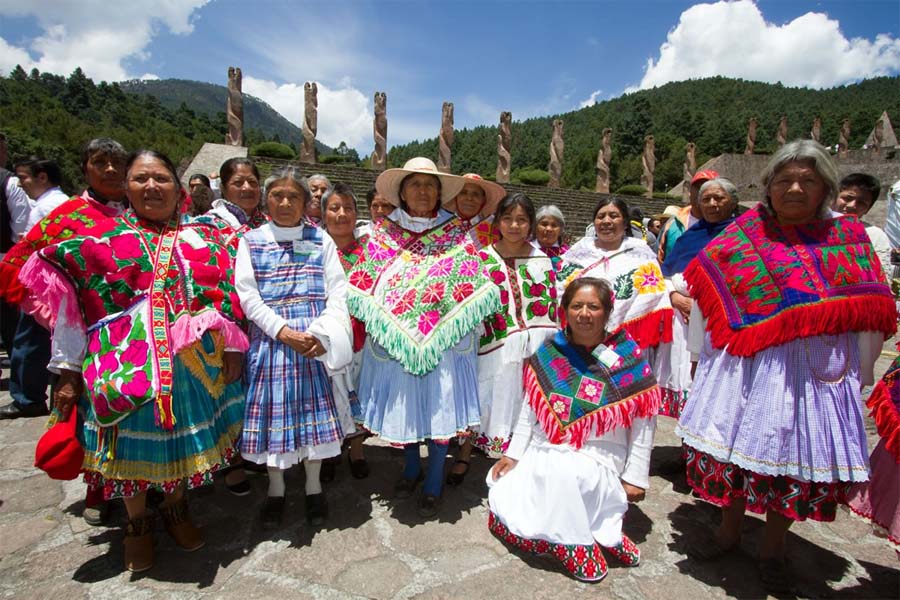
70	218
641	301
350	256
576	396
527	297
420	293
760	284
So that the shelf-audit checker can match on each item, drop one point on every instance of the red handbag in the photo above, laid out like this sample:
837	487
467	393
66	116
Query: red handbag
58	452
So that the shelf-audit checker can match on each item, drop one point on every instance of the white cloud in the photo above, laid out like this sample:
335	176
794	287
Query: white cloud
344	113
592	99
148	77
96	35
734	40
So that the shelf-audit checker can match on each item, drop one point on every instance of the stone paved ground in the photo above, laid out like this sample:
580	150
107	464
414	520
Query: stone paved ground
374	547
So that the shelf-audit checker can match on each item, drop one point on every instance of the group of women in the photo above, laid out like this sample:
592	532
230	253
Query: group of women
273	336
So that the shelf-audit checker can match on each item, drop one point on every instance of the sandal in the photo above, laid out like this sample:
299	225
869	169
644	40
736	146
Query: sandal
454	479
775	576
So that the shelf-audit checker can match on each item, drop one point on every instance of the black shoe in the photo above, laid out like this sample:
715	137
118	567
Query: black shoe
326	473
359	468
404	488
96	515
155	497
429	505
454	479
14	411
272	511
316	510
242	487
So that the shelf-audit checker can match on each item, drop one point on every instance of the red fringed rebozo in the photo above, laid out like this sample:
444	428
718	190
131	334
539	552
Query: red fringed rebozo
760	284
886	409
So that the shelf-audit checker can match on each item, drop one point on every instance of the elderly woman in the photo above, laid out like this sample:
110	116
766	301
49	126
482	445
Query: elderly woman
550	233
421	290
319	185
293	291
527	283
790	312
642	304
239	207
581	448
144	305
340	218
672	364
475	206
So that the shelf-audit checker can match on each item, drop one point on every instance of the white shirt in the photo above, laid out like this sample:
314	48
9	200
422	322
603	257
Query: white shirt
892	225
45	204
19	205
882	246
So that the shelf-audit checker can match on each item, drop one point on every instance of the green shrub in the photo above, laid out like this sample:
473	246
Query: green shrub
664	196
273	150
632	190
533	176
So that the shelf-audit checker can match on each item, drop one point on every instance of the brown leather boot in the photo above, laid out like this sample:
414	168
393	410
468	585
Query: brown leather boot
139	544
179	525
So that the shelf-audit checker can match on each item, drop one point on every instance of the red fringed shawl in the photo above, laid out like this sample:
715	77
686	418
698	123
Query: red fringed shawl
576	396
885	405
760	284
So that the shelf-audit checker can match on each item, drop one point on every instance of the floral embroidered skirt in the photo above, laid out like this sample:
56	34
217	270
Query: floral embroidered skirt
137	454
721	483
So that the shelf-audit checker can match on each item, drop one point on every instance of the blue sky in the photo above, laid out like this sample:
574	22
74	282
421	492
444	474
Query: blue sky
529	57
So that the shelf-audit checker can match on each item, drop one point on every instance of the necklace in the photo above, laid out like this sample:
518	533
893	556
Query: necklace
844	369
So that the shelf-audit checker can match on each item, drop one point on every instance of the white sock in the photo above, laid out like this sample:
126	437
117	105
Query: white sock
276	482
313	485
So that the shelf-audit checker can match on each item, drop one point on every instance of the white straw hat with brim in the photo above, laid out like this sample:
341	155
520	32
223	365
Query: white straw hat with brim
671	211
388	183
493	193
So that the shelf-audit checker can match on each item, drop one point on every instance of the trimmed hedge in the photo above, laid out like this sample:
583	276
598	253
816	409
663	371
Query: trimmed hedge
273	150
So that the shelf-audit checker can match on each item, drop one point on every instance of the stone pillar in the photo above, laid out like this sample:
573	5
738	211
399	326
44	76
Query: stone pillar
504	141
603	158
815	133
781	134
557	147
445	139
751	136
310	122
234	109
379	128
690	167
648	162
883	135
844	139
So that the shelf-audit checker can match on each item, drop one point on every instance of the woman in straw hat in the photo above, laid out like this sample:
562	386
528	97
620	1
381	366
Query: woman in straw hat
422	289
475	206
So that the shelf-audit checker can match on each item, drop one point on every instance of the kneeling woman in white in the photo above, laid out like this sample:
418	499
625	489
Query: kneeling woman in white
581	449
293	290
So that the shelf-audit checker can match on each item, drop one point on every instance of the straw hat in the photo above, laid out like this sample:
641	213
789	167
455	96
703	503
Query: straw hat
671	211
388	183
493	194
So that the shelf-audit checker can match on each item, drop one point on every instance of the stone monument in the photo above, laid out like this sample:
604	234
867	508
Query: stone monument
504	141
844	140
882	135
603	158
234	109
690	167
648	162
816	133
445	140
751	136
781	134
379	128
310	122
557	146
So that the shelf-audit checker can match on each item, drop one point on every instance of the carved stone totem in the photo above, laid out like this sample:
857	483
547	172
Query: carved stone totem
603	158
781	134
815	133
690	167
504	141
648	162
751	136
557	146
234	109
877	136
844	139
310	122
379	128
445	140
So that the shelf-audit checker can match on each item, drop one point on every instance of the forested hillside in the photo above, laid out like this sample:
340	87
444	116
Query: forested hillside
713	113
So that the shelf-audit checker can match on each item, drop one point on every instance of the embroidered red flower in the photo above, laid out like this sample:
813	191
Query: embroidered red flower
126	246
206	275
462	290
539	309
405	303
98	257
536	289
361	280
136	278
138	386
580	555
428	320
136	353
498	277
433	293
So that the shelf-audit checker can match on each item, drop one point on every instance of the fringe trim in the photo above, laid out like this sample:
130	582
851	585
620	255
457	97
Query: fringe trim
887	419
420	358
48	287
188	329
826	317
600	422
651	329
